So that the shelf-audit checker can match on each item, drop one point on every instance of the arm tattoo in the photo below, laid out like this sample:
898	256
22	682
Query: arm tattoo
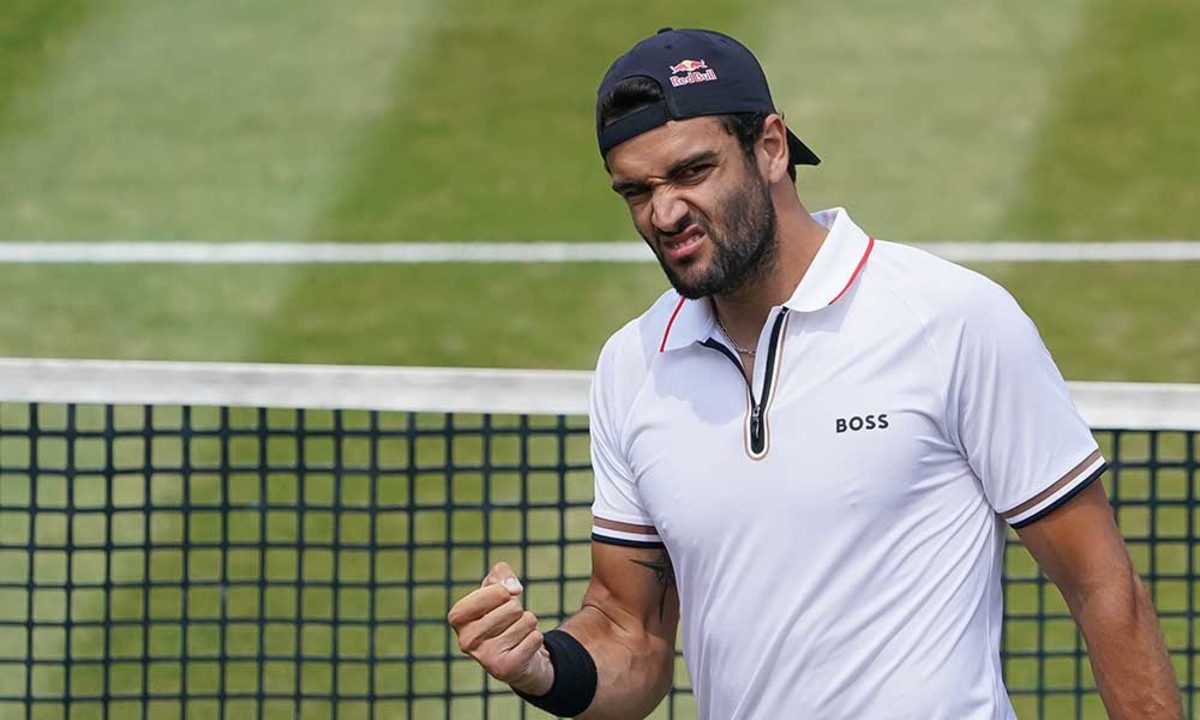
664	575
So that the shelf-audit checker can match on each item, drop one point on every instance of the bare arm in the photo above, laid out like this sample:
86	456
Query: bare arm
1081	550
627	624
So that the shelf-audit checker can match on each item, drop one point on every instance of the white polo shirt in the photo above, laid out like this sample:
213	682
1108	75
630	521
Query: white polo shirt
838	529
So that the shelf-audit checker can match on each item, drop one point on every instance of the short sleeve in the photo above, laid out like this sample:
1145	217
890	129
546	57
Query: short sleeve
619	517
1012	415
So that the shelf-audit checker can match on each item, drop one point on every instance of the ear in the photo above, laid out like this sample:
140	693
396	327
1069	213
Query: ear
773	150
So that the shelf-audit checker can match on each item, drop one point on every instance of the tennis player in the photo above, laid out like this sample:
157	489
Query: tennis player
814	446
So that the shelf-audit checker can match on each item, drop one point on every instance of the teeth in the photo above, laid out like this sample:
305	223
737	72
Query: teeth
676	245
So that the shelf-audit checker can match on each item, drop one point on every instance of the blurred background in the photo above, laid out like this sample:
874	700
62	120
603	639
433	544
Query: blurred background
415	120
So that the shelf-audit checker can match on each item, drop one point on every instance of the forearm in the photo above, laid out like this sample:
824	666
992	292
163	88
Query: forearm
1128	654
613	660
634	667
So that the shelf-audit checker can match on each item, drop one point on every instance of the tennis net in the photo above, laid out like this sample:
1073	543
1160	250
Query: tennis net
249	541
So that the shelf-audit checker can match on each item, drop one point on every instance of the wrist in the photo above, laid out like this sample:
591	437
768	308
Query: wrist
540	679
573	677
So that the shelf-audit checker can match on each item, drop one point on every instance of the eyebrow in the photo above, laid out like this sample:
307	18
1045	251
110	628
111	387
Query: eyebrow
684	164
676	170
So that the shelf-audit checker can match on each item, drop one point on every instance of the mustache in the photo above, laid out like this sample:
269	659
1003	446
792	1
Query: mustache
684	223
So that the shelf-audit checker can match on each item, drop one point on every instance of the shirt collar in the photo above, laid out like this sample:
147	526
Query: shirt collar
838	263
834	270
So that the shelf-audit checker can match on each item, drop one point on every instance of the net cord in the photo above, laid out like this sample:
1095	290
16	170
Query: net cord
1135	406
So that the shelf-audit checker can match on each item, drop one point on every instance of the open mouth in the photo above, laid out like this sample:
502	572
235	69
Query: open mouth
684	244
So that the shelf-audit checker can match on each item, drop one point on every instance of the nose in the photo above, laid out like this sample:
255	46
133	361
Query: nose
667	209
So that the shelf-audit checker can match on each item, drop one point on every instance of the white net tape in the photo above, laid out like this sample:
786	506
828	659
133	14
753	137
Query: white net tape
536	392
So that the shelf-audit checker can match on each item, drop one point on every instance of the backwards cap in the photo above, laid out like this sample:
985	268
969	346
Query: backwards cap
700	72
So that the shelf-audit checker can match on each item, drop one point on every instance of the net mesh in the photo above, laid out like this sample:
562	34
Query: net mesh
172	562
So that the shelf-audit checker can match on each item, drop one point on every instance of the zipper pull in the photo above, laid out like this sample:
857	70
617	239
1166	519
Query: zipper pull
756	425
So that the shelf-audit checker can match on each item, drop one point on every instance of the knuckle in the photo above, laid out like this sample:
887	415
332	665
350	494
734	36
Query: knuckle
468	642
505	622
490	597
489	662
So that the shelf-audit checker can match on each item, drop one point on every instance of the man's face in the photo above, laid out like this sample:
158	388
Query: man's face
699	203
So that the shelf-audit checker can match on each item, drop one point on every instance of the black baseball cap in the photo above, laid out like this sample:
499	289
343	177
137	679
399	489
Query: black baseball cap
700	72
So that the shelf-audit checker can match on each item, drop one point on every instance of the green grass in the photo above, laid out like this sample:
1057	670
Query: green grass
422	120
33	35
1115	156
924	114
494	139
1116	321
460	122
220	121
1142	321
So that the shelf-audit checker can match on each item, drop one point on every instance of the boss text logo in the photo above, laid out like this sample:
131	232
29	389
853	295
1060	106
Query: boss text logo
866	422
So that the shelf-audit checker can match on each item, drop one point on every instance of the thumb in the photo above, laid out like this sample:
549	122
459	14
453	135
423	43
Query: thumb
502	574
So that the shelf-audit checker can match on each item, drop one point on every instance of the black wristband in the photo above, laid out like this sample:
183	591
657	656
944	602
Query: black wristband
574	677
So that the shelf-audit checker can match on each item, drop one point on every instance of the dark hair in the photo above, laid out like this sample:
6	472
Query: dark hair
633	94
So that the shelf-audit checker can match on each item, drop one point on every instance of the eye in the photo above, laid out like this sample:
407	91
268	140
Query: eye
693	173
635	195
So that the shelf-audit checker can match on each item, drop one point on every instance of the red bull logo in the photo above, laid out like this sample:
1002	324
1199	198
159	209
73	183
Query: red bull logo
687	66
688	72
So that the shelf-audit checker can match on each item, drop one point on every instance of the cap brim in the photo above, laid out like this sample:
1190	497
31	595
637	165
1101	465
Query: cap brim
799	153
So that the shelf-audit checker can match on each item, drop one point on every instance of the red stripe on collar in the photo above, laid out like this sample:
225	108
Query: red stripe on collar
862	261
663	345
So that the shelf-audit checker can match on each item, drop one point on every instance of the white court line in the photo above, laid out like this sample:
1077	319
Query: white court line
292	253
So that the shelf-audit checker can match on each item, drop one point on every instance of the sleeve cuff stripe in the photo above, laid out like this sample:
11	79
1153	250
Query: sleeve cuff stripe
634	524
645	542
1056	490
1060	498
624	535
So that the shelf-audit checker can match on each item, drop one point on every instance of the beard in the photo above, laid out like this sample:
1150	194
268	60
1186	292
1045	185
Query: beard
744	246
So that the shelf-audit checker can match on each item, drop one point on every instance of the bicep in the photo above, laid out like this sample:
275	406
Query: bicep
1079	546
634	587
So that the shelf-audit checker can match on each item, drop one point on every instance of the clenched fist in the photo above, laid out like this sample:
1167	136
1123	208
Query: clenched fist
501	635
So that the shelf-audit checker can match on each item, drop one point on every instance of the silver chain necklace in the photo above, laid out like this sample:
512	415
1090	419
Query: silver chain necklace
739	348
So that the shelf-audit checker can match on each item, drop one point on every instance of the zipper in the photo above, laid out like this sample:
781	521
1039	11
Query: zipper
758	440
758	407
